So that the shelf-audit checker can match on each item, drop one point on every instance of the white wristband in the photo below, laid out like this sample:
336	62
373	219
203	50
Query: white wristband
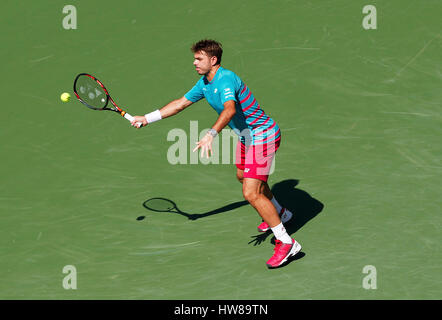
153	116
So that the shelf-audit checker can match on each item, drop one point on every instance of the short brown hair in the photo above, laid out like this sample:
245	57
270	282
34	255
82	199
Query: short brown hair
211	47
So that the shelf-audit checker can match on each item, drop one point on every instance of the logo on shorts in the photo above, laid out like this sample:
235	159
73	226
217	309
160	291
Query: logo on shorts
246	170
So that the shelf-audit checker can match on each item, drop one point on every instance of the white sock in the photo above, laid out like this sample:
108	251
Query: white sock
281	234
276	204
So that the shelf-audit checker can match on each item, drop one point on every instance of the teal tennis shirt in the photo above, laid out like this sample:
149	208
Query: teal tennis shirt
250	122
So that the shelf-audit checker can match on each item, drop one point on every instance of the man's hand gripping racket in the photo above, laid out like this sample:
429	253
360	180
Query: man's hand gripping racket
92	93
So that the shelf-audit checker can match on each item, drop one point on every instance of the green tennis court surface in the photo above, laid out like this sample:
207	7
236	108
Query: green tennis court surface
360	160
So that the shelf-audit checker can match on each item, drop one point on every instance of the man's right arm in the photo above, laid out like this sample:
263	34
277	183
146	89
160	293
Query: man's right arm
175	106
170	109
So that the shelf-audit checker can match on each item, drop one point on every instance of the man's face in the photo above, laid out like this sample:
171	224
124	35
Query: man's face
202	62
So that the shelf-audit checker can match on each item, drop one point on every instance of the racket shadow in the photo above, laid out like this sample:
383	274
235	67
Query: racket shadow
167	205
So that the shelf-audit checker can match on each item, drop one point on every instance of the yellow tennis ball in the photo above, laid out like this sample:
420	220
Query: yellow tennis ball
65	97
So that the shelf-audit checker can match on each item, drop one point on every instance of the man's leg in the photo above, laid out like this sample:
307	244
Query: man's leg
285	246
266	189
284	214
258	194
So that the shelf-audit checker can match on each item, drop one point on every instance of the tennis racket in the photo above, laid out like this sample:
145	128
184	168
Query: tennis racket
91	92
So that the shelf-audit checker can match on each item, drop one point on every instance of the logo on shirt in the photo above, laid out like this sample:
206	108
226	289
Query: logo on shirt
228	93
215	91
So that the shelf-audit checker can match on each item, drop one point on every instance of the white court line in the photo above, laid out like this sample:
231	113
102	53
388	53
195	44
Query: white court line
41	59
39	98
170	245
283	48
415	57
161	247
409	113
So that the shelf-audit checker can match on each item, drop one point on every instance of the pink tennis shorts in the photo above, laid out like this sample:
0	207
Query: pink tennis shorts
256	160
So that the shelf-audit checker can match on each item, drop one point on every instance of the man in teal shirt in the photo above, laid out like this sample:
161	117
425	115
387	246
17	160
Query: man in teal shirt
259	138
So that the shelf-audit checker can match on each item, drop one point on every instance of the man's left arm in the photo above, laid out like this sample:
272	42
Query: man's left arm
223	119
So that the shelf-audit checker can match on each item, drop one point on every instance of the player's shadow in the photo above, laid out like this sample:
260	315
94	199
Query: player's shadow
167	205
303	206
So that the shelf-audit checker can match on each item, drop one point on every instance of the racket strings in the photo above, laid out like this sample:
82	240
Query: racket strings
90	92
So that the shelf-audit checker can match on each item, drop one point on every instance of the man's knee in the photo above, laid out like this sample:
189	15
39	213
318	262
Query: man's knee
250	194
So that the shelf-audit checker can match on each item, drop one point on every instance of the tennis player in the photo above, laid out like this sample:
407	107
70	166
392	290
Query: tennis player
259	138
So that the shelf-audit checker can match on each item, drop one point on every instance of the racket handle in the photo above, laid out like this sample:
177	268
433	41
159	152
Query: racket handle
130	118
